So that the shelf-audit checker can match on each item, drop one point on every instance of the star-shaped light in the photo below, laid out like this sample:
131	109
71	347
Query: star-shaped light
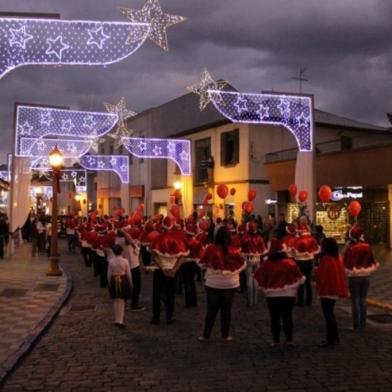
157	150
25	128
184	156
82	179
302	120
171	148
74	174
123	167
71	147
284	108
113	161
263	112
123	114
100	164
89	122
41	145
97	37
67	126
241	104
201	88
142	146
159	21
56	46
46	118
65	177
19	37
91	161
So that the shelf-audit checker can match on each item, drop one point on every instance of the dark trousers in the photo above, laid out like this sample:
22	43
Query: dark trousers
86	256
328	304
359	287
145	256
1	247
137	286
188	272
102	270
71	239
94	259
41	242
281	308
218	300
305	290
163	287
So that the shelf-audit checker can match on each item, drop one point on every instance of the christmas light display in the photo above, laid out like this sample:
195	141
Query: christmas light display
118	164
25	41
293	112
152	13
38	122
201	89
37	147
122	114
178	151
4	175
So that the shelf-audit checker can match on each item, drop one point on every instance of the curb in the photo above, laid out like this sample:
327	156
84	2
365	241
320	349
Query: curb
39	330
379	305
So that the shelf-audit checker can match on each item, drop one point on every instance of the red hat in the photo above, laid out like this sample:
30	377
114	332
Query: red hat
252	226
231	228
134	232
356	233
241	229
290	229
204	224
275	245
302	229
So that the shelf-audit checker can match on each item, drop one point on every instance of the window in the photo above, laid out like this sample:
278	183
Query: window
230	148
202	154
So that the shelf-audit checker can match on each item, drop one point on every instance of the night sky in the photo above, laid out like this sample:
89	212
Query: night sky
256	45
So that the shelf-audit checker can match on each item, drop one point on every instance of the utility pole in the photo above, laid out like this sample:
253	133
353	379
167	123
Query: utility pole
301	78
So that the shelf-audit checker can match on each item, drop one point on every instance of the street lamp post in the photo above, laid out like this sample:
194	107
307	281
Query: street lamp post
56	162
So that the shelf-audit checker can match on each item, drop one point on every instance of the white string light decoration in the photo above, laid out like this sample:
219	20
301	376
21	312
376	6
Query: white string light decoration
201	88
293	112
152	13
118	164
178	150
26	41
122	114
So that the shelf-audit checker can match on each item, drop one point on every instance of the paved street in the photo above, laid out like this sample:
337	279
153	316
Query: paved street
82	351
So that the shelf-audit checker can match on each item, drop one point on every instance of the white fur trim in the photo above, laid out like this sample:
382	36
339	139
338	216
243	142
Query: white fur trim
284	288
168	255
363	271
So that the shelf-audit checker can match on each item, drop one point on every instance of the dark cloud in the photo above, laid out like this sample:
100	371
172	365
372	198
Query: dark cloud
255	44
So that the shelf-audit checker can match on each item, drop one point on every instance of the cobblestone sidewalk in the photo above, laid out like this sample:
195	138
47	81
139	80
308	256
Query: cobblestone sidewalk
28	301
82	351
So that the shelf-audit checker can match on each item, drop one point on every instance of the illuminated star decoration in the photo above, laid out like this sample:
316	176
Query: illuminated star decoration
293	112
56	47
206	83
123	114
159	21
19	37
97	37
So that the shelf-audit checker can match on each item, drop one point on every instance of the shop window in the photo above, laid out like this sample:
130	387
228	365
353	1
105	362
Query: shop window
230	148
202	156
346	143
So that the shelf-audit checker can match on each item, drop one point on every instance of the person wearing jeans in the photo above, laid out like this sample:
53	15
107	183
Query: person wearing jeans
279	278
223	264
360	264
331	284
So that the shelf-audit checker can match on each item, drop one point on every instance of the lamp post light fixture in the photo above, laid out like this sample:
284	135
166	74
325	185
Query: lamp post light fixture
177	185
56	160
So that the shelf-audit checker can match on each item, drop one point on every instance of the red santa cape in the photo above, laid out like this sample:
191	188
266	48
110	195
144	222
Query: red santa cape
359	260
331	278
214	258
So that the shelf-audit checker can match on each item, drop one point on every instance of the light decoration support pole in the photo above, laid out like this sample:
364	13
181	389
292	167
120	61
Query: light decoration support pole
56	161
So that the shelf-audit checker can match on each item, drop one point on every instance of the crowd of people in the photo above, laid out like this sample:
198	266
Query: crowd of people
180	252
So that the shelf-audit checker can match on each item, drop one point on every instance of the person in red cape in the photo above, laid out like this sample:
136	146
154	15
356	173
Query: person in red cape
360	264
168	250
223	264
331	284
279	278
290	238
304	251
70	227
85	233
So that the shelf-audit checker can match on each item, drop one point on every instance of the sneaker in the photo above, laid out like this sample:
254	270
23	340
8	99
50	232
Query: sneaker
202	339
227	339
274	345
119	325
138	309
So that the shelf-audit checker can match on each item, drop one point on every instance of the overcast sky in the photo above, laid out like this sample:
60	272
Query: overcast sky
256	45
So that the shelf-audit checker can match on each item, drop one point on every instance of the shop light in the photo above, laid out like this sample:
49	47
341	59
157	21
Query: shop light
271	201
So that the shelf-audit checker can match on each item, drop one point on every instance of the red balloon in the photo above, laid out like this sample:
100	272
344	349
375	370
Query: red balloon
208	196
119	212
141	205
302	196
251	195
354	208
248	207
233	191
292	190
325	193
175	210
222	191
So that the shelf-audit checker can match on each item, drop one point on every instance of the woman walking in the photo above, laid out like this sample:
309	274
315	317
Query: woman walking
279	277
224	264
331	285
119	278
